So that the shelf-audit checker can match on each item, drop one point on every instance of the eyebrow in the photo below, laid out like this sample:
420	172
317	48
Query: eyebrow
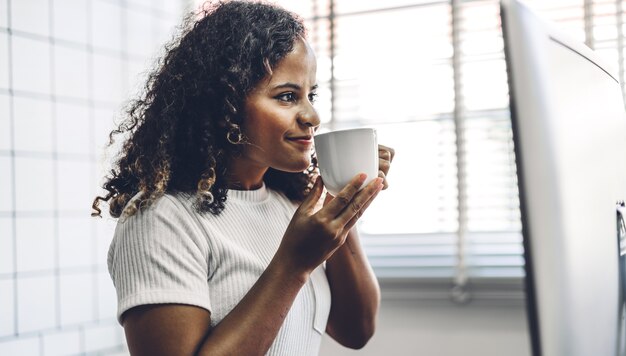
293	86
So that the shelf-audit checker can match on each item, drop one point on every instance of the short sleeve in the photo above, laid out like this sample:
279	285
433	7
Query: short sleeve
159	255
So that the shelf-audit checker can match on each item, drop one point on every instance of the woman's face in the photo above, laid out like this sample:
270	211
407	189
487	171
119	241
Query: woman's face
280	118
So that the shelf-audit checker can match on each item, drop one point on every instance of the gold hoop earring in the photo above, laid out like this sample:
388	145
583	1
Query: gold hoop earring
234	135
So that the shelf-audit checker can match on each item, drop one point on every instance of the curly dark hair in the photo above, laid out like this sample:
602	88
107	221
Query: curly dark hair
179	134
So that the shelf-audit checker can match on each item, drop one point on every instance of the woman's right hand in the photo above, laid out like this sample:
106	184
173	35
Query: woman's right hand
313	236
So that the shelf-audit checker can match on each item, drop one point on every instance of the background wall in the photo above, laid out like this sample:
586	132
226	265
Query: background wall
65	67
440	328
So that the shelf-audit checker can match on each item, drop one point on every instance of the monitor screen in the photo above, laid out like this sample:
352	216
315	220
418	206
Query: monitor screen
569	130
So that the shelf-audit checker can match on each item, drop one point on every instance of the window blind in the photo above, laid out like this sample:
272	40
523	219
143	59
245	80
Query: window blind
431	77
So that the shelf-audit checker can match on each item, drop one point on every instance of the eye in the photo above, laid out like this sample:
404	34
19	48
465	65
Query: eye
313	97
288	97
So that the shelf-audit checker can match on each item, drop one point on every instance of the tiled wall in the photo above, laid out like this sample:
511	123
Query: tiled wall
66	66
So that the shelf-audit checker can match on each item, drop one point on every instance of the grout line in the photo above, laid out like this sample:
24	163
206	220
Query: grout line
13	175
81	338
64	271
66	214
74	45
79	326
41	345
55	170
92	129
61	98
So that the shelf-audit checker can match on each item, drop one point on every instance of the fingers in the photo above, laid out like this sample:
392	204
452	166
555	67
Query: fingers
354	220
385	156
384	165
386	153
382	175
338	204
314	195
356	207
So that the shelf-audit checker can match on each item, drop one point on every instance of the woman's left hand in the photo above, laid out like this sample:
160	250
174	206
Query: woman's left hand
385	157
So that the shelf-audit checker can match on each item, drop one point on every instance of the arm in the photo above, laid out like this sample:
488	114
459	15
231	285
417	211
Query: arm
355	294
354	288
251	327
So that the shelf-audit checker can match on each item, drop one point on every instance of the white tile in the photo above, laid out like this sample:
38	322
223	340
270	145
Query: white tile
6	184
70	72
31	16
75	188
36	309
76	307
7	308
75	242
22	346
5	122
144	3
4	60
61	343
137	76
107	299
72	129
32	124
139	39
103	337
4	12
164	31
106	25
105	228
107	78
35	244
123	352
34	188
6	247
174	8
104	123
71	20
31	65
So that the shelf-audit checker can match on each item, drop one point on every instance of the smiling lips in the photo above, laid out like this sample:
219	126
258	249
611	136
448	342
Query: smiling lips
303	140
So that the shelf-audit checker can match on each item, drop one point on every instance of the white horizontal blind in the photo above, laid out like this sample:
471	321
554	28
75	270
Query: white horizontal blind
394	72
493	237
396	66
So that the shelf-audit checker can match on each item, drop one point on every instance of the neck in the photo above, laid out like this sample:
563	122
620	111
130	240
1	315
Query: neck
245	176
240	185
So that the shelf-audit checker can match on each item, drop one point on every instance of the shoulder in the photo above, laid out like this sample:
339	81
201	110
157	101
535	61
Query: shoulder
167	207
170	217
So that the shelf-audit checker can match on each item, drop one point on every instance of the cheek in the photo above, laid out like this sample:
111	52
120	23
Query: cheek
264	126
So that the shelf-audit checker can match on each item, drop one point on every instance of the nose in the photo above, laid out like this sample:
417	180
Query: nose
309	118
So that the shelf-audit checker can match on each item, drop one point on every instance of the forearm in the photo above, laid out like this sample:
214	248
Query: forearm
251	327
355	294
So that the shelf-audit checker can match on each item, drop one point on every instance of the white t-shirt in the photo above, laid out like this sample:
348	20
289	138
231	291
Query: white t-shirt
169	253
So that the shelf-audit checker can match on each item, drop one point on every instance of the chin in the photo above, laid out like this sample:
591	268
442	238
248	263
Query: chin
296	167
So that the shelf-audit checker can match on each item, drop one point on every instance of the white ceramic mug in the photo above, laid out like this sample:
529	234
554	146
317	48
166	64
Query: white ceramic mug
343	154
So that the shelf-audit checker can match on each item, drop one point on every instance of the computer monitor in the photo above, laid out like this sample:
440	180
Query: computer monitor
569	131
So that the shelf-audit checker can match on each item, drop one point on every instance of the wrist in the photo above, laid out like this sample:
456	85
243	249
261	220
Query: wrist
290	272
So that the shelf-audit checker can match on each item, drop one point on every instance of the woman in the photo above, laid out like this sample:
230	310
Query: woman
221	247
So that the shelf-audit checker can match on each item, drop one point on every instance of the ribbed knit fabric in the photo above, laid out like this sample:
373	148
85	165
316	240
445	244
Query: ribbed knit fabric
168	253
